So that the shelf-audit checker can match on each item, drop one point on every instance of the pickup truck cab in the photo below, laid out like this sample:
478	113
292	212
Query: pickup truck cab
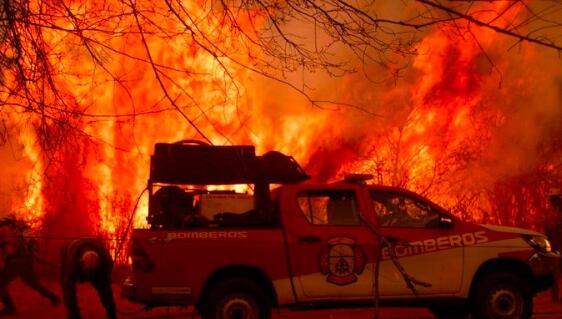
306	245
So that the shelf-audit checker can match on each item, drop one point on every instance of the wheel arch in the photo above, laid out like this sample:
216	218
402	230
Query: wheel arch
503	264
254	274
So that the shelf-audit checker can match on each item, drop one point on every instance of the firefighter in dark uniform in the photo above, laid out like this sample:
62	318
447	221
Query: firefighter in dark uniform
86	260
17	260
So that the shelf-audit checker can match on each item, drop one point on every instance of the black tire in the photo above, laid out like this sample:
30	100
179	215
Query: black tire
502	295
449	311
236	298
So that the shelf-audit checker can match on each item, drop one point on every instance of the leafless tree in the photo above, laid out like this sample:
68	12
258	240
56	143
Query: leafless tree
283	41
272	38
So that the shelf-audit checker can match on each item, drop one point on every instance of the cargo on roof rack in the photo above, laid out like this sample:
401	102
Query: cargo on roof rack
197	163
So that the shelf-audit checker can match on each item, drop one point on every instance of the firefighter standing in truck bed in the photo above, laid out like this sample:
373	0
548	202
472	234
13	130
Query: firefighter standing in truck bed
86	260
17	260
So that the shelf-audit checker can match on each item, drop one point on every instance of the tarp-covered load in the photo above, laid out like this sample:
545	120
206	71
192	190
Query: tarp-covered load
196	163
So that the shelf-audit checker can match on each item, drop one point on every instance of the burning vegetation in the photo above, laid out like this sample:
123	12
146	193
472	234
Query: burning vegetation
461	103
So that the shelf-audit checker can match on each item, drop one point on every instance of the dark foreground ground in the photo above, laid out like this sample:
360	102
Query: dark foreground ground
32	306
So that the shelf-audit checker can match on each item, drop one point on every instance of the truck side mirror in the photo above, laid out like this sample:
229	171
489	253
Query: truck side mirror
446	221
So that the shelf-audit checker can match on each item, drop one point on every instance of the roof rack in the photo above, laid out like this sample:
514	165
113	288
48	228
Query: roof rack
193	162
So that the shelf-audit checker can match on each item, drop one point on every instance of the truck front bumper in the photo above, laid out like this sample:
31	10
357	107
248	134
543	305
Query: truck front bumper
545	268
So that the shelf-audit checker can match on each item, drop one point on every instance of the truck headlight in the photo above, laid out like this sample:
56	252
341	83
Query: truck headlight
539	243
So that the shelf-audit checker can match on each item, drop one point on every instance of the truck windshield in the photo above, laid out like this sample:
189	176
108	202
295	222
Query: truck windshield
401	210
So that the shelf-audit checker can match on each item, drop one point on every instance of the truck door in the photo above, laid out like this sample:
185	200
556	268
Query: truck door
329	247
429	250
147	261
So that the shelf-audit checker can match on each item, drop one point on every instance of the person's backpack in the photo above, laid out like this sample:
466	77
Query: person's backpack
19	238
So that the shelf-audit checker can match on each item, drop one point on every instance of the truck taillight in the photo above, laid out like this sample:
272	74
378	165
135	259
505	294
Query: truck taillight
139	258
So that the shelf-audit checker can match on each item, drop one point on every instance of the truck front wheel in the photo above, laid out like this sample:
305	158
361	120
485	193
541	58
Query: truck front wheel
236	298
503	295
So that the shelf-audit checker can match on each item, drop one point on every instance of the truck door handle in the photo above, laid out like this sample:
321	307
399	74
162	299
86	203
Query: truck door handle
154	240
309	239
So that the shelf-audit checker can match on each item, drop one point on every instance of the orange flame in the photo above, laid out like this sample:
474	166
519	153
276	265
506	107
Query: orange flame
435	131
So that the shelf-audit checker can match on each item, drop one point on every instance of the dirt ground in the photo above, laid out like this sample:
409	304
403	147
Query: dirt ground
31	306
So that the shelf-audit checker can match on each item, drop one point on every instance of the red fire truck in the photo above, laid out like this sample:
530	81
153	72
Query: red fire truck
304	245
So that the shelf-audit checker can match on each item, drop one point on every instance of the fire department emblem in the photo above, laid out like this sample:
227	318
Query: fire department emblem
342	260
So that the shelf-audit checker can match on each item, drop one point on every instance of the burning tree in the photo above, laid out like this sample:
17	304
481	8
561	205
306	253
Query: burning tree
441	98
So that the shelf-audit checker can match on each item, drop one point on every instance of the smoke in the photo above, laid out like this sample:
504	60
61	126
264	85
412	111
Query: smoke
468	121
532	107
473	123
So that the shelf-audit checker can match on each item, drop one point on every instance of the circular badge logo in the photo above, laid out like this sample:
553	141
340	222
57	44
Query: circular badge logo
341	259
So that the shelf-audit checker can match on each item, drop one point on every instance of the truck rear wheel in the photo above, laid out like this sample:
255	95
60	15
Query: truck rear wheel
502	295
236	298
